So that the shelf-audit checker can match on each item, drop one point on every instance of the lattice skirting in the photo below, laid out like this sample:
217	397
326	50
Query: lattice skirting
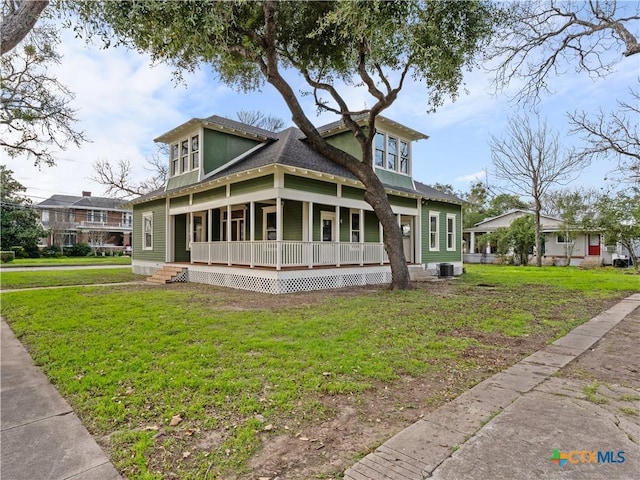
290	281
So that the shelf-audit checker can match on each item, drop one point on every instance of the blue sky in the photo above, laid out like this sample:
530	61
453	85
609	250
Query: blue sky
123	104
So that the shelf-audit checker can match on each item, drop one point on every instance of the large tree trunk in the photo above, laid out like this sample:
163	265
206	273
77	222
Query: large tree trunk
18	22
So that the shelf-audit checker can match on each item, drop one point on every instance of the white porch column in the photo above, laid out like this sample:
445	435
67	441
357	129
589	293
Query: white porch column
252	231
337	242
361	239
190	236
381	233
310	227
278	233
472	243
228	227
418	240
208	236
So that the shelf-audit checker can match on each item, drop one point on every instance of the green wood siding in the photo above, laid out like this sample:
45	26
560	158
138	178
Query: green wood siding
252	185
442	255
183	180
219	148
215	226
310	185
181	254
371	227
345	226
352	193
179	201
402	201
158	253
394	179
346	142
292	220
209	195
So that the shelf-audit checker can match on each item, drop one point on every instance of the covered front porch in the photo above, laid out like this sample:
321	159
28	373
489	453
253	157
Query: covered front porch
285	234
288	254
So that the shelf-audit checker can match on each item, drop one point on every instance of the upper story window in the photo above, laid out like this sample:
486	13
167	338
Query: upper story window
127	218
391	153
184	155
98	216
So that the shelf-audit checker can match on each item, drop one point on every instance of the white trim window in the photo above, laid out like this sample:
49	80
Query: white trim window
451	232
269	223
563	238
434	234
355	227
184	156
147	231
391	153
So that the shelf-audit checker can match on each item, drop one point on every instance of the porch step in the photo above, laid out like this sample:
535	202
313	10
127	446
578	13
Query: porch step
166	274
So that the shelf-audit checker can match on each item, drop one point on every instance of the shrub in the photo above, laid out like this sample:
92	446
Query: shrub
7	257
19	251
78	250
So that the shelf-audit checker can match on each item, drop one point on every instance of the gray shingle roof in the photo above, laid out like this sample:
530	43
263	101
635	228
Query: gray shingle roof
433	194
71	201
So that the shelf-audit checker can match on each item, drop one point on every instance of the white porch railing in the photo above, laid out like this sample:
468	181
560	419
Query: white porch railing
281	254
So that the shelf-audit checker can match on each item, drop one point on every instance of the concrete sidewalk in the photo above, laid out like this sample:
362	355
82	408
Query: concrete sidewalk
40	436
513	424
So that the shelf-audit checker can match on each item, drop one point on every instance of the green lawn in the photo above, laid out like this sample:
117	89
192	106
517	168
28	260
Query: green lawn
130	358
50	278
67	261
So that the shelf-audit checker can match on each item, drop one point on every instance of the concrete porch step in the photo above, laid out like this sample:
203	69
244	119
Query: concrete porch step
166	274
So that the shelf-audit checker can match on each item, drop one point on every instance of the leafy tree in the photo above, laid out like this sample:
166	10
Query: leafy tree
18	18
530	160
519	239
335	47
546	38
35	111
503	202
20	221
576	208
619	219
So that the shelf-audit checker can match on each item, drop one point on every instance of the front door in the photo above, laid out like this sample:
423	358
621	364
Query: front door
328	231
406	225
594	244
199	227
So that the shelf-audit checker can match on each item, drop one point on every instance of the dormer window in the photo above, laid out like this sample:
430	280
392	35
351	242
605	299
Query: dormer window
391	153
184	155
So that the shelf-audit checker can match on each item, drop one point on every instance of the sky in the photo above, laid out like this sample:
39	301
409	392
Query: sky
123	103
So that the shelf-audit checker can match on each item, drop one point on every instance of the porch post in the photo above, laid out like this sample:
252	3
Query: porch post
228	234
190	236
278	233
252	231
209	230
361	239
337	242
472	243
381	244
418	237
310	244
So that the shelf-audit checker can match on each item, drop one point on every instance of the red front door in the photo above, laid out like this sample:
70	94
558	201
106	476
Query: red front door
594	245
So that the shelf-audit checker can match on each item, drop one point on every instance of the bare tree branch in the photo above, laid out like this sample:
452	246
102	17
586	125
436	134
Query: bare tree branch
35	113
547	38
531	161
616	134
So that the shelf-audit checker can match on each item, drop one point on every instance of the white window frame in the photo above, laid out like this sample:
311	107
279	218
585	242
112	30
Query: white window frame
451	235
385	153
353	212
436	247
265	212
147	216
178	158
565	240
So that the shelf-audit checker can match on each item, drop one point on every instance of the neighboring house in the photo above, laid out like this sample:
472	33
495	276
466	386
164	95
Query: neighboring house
557	244
100	222
256	210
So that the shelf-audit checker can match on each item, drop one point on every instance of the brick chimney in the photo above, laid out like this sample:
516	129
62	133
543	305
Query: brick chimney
86	194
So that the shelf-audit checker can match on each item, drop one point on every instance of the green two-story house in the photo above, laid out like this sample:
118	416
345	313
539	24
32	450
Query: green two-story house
251	209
